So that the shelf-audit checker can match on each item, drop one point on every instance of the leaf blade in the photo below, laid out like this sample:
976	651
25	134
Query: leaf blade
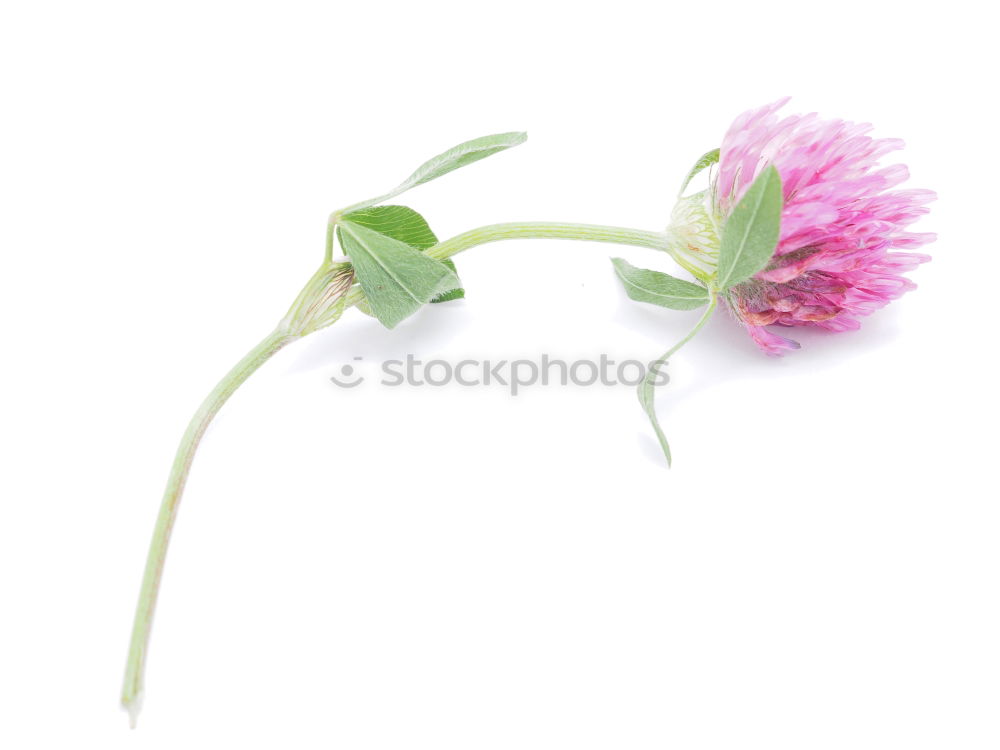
406	225
458	156
657	288
397	279
461	155
399	222
647	399
454	293
704	162
751	231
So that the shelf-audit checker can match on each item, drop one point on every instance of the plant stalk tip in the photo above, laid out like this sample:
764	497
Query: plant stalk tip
133	706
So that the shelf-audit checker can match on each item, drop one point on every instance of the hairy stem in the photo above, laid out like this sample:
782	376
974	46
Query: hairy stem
541	230
566	231
547	231
320	303
136	664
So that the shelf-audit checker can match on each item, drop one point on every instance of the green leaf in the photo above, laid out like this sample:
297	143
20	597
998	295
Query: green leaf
750	233
658	288
646	393
647	386
449	296
397	279
460	156
703	163
399	222
454	293
453	158
406	225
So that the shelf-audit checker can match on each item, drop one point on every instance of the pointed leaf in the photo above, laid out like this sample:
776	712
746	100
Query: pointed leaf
399	222
751	231
396	278
659	288
460	156
453	158
449	296
647	393
454	293
647	386
406	225
703	163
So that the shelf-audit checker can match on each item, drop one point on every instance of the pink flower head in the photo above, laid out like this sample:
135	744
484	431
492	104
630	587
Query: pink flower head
841	219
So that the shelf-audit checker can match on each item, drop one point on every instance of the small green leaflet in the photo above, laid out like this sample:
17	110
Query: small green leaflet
453	158
454	293
647	386
396	278
406	225
703	163
399	222
751	231
460	156
659	288
646	393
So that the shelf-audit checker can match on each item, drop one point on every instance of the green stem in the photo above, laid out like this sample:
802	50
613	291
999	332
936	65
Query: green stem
135	666
319	304
542	230
568	231
646	387
331	228
537	230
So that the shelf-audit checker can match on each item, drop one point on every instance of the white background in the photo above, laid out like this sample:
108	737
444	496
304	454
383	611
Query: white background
456	568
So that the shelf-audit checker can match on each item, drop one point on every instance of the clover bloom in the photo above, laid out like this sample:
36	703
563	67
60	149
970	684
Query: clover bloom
841	222
796	229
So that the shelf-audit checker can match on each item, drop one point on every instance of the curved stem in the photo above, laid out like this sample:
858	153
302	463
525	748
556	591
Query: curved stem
135	666
320	303
549	231
645	390
541	230
568	231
